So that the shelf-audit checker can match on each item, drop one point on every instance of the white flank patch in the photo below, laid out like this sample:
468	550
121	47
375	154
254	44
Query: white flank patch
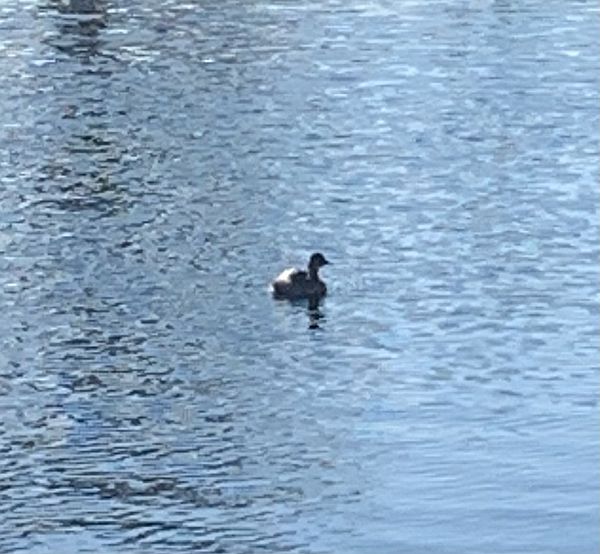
286	275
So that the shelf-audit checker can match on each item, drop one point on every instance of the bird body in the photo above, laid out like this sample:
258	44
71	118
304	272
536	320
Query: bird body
297	284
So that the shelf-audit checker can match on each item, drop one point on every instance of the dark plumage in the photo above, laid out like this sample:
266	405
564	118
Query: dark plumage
296	284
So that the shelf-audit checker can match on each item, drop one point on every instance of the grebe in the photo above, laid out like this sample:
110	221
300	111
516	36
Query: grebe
296	284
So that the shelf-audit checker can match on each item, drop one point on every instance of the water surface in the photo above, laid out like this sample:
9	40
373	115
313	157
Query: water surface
161	161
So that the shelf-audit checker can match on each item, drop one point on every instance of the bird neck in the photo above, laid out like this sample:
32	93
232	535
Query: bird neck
313	273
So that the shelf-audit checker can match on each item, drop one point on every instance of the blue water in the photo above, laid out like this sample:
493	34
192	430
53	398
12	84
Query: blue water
161	161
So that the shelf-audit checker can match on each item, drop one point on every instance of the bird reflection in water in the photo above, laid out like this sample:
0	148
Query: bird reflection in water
314	314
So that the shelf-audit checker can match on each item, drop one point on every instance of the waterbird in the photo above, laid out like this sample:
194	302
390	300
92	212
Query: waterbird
297	284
